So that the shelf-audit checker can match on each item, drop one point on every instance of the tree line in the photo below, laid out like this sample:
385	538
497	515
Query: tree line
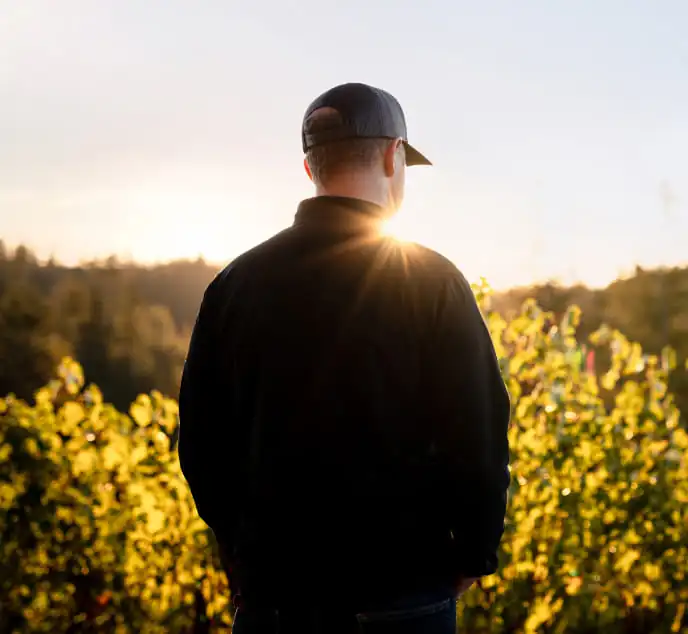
129	324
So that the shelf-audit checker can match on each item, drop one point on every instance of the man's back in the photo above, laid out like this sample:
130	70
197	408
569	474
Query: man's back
343	417
335	451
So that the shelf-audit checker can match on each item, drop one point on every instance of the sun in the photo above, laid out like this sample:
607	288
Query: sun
397	228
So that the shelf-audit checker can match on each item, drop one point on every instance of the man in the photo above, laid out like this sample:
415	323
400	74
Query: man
343	418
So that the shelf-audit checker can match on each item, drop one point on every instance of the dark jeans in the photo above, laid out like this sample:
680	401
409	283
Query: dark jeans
429	614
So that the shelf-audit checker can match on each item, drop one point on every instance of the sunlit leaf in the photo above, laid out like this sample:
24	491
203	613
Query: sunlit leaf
70	416
141	414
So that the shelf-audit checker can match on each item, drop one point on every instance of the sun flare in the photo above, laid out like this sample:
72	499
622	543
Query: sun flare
396	228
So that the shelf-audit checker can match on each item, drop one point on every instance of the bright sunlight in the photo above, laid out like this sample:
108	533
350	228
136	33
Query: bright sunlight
400	228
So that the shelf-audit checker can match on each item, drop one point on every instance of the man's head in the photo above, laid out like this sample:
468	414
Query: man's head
355	141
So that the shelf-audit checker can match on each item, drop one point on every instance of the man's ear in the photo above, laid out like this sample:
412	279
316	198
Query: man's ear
392	156
307	167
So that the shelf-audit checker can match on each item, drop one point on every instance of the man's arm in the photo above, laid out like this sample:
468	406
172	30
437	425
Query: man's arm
469	408
202	430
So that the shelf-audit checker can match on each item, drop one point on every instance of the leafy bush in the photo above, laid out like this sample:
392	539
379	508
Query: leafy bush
97	525
99	532
596	537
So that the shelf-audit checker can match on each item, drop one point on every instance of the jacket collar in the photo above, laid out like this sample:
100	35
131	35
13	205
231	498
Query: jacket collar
339	212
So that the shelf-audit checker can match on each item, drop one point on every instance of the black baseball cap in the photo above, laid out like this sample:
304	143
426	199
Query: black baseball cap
364	112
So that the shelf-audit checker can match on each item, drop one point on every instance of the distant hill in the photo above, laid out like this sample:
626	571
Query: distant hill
129	324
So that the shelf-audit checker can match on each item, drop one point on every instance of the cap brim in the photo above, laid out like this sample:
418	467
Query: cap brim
414	157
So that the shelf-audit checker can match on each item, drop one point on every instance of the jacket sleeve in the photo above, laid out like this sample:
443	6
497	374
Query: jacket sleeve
202	411
469	408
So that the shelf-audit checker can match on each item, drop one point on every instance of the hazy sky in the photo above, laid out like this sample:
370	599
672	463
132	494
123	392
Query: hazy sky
159	129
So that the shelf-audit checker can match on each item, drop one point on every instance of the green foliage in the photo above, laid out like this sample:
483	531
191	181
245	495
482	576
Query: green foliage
27	339
110	316
97	526
596	535
651	307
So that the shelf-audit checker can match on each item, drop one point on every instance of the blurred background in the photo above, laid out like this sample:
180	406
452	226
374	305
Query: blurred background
143	145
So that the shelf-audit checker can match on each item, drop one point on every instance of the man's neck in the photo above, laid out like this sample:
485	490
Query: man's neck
359	190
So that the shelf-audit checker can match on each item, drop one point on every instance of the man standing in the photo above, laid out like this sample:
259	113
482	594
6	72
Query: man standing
343	418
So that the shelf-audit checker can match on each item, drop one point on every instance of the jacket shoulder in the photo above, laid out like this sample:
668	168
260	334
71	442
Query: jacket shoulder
437	264
255	256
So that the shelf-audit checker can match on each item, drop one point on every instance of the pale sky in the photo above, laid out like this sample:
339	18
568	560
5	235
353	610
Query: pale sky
159	129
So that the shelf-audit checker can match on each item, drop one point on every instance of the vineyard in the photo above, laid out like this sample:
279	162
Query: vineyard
98	531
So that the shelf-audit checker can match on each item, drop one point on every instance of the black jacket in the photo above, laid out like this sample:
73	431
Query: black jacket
343	418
